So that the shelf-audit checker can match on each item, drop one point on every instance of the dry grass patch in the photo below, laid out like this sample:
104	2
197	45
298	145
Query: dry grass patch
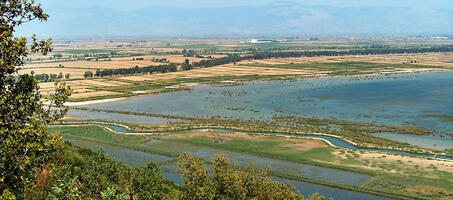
116	83
225	136
94	83
376	160
93	94
304	144
223	70
83	86
431	59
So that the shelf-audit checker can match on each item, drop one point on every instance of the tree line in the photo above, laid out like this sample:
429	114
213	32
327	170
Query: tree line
172	67
51	77
366	51
233	58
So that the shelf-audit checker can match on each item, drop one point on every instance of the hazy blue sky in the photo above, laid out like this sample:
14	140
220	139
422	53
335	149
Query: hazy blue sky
163	18
134	4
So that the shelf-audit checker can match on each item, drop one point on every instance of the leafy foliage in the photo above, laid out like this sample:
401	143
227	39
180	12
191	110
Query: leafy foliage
24	142
82	174
230	181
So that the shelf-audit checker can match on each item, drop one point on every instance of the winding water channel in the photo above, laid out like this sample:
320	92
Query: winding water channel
334	141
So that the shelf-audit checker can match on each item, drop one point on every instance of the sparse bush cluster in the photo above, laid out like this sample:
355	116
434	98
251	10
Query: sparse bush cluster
51	77
162	60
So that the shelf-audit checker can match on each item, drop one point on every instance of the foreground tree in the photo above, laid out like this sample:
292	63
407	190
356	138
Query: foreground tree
34	165
230	181
24	141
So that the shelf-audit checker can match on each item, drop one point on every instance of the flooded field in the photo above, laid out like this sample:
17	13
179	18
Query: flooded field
420	99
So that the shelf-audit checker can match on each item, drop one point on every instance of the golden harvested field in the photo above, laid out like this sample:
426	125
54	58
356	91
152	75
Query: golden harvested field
84	86
116	63
93	94
96	83
89	86
78	68
432	59
223	70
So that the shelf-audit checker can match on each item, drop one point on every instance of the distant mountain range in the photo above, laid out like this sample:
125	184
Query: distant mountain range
277	19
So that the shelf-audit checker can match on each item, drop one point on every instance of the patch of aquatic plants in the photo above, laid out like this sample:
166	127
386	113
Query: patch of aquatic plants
449	152
230	93
360	133
343	125
445	118
236	109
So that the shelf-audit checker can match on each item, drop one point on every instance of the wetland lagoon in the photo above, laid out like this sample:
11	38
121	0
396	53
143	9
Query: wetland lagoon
416	99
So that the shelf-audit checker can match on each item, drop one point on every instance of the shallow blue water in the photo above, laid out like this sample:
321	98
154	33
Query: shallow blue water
419	99
429	141
127	156
118	128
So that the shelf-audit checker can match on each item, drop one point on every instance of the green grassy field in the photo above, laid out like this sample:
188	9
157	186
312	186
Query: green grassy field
272	146
96	134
